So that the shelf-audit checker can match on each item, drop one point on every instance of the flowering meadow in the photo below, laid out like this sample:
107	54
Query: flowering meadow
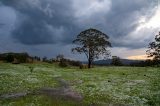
99	86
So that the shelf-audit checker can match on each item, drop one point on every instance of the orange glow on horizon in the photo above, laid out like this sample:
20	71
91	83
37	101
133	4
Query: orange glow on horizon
138	57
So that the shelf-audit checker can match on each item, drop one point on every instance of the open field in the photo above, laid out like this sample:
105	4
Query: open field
99	86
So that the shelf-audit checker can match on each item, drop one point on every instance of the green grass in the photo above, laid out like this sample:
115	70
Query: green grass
137	86
40	100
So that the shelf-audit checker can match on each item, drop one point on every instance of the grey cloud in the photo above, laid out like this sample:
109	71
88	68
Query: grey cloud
123	19
42	22
52	21
1	24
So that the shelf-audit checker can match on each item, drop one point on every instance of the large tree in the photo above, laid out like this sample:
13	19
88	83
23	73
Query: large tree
93	44
154	48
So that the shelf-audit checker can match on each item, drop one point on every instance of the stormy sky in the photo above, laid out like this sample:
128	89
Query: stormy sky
48	27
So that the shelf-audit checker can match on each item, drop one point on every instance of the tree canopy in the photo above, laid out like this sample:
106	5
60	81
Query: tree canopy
154	48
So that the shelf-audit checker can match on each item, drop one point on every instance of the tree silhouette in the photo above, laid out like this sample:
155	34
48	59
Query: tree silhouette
154	48
116	61
93	44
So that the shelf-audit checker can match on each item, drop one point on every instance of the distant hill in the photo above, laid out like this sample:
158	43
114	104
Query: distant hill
108	62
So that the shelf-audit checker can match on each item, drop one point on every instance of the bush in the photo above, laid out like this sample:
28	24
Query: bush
83	66
116	61
63	63
15	57
9	58
74	63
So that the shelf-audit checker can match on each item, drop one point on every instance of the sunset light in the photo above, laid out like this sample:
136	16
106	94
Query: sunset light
139	57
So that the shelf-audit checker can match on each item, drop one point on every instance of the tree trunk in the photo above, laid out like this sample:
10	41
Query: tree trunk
89	63
89	59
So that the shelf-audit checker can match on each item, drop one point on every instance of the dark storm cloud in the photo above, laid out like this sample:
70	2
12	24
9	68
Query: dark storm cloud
1	24
123	18
54	21
44	22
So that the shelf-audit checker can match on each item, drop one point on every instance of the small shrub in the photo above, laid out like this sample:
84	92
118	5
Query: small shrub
83	66
74	63
63	63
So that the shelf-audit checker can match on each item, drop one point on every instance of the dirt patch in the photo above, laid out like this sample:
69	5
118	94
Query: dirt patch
13	95
65	93
62	82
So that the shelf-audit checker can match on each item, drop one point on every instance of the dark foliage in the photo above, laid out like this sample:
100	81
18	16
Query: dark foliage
154	48
116	61
145	63
73	63
44	59
9	58
37	58
83	66
15	57
63	62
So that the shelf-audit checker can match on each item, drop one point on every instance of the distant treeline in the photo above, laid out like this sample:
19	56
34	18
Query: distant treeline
116	61
146	63
17	58
139	63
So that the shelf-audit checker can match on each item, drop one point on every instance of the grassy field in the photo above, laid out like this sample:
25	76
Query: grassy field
99	86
